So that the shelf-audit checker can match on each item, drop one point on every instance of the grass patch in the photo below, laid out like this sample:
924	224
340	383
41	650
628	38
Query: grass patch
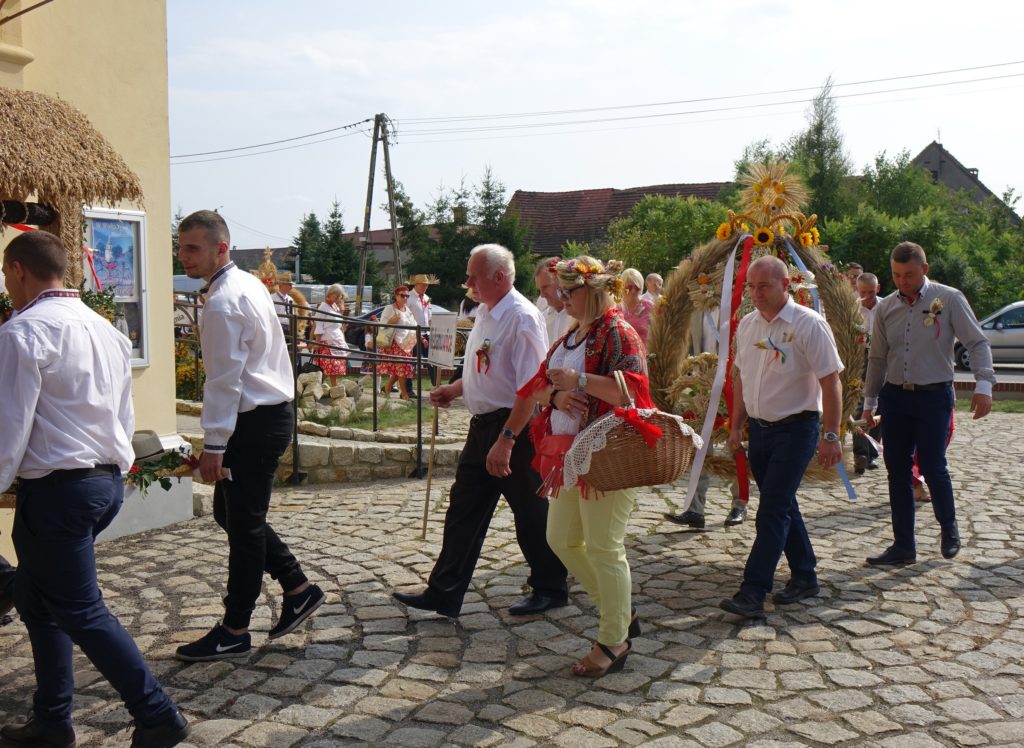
998	406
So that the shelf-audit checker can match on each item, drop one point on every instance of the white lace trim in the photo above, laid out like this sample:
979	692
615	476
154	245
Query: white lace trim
594	438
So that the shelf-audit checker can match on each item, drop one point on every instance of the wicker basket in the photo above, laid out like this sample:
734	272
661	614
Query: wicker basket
627	462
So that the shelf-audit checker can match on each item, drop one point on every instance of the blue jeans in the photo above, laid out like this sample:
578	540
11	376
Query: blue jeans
916	420
778	456
55	525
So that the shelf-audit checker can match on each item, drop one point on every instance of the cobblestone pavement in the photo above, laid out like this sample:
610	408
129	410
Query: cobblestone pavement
929	654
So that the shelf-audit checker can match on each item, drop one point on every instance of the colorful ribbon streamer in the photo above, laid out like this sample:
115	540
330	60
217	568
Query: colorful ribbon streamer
648	431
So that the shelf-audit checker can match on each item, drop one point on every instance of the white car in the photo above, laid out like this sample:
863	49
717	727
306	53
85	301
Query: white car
1005	332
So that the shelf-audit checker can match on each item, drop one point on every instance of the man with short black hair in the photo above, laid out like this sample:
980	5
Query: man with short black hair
910	378
247	423
68	422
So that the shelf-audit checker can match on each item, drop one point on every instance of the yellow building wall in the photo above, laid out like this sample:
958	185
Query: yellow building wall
108	58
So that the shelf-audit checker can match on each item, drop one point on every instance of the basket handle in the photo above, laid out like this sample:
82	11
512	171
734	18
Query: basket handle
623	390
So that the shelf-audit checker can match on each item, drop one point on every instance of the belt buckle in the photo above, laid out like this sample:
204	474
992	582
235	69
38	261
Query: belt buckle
907	386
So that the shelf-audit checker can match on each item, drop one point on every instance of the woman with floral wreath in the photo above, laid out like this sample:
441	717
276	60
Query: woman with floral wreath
330	333
576	385
401	343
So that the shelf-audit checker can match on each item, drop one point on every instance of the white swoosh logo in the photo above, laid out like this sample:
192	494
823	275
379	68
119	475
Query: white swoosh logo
302	607
222	648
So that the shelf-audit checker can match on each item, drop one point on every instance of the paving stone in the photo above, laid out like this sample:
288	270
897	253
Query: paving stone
968	710
822	732
715	735
271	735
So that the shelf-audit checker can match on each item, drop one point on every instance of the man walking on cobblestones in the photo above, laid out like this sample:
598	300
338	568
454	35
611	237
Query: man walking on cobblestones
910	376
505	348
68	423
247	424
788	383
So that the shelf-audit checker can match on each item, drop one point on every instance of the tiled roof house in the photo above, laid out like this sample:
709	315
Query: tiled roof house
555	218
946	170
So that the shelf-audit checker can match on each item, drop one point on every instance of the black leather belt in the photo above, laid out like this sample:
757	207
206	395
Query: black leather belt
804	415
63	476
495	415
933	387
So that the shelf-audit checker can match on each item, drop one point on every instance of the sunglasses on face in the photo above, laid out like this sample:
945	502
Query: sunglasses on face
566	293
403	296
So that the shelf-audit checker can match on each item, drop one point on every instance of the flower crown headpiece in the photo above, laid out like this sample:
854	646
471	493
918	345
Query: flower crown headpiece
574	272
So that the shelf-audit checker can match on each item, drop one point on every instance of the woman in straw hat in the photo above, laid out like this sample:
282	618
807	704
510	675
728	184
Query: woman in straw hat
576	385
330	332
401	344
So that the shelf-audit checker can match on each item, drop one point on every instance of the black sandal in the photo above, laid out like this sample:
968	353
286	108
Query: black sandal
586	668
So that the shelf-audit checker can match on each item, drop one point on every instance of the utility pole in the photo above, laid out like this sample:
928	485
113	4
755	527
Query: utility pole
380	135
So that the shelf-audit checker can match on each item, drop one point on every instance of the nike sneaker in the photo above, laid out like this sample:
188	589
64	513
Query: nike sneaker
219	644
297	608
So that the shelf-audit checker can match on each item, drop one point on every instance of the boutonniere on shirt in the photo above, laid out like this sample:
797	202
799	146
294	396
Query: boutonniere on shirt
767	344
932	315
483	357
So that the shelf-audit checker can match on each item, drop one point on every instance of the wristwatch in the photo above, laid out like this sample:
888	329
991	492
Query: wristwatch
831	436
581	383
508	434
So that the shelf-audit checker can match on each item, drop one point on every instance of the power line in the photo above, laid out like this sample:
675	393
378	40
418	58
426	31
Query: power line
513	115
661	115
255	231
272	150
276	142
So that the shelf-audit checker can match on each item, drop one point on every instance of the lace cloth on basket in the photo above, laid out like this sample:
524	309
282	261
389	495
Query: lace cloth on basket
594	438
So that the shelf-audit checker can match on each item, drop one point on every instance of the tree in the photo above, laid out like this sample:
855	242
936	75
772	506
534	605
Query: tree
308	244
899	187
660	231
176	267
340	257
819	155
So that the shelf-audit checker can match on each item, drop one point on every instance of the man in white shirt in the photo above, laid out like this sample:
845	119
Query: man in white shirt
283	303
504	351
68	423
788	374
556	318
419	305
247	422
654	283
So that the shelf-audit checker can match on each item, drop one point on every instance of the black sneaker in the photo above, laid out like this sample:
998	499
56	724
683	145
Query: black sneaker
297	608
219	644
168	733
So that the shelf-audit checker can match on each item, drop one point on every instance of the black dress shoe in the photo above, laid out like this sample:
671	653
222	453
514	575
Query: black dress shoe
39	734
687	519
872	465
893	556
736	516
537	603
742	604
795	591
168	733
950	542
427	601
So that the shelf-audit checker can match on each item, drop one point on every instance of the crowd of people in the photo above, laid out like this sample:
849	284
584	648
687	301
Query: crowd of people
534	379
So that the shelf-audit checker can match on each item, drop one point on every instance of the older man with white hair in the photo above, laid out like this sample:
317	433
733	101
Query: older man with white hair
505	348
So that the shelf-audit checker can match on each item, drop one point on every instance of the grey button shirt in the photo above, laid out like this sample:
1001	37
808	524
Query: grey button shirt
912	342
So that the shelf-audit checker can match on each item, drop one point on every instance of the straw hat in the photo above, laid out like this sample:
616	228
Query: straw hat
284	277
430	280
146	445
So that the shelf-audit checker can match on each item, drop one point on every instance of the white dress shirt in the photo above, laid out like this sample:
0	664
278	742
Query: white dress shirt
420	308
781	361
67	391
513	331
555	323
283	304
244	354
869	317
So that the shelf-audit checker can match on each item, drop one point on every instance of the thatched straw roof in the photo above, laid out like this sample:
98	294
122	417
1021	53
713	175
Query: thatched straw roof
50	149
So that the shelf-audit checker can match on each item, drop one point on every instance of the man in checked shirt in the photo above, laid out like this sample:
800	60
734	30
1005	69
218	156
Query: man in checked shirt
910	374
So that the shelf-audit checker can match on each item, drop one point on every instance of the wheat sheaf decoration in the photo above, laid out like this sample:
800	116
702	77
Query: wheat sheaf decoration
681	375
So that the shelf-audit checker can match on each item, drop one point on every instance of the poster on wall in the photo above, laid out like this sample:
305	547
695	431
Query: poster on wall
115	240
116	257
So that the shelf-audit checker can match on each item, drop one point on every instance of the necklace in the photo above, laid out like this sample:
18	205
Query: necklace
577	344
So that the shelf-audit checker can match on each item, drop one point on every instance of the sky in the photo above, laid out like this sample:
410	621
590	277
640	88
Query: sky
564	94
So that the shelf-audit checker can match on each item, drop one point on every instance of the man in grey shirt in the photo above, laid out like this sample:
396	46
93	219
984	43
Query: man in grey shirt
910	374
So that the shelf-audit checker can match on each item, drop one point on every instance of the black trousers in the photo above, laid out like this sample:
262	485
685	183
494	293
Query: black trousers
240	506
471	504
